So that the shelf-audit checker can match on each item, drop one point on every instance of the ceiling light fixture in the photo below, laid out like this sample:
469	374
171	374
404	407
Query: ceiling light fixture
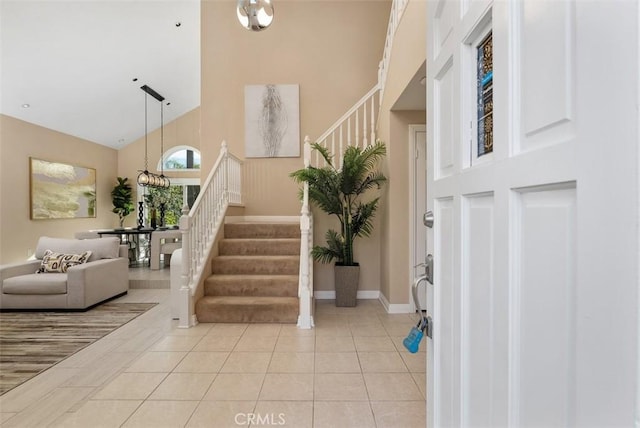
255	15
146	178
25	105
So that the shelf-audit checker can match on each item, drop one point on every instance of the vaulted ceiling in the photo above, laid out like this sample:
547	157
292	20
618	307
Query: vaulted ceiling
77	66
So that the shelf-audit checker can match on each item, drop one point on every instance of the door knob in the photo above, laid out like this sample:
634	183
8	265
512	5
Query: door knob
427	219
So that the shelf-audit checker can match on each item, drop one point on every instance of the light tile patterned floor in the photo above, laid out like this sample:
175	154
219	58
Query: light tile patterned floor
350	371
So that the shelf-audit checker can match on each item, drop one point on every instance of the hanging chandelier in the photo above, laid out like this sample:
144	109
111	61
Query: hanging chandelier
255	15
146	178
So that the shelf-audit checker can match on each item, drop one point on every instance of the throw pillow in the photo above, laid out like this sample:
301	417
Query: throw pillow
59	262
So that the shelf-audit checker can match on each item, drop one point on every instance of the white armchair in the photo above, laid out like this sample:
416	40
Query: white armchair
164	242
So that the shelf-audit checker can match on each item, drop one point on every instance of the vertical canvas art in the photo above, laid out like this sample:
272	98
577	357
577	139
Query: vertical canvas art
60	190
272	121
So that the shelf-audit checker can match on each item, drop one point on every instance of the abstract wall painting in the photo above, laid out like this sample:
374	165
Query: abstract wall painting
272	121
60	190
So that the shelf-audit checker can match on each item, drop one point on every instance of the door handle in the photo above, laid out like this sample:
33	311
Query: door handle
428	269
427	219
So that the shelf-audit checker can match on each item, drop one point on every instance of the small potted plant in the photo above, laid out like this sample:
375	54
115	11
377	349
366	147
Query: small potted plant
339	192
122	199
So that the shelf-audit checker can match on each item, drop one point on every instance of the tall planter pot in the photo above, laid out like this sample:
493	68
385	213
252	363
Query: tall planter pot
346	282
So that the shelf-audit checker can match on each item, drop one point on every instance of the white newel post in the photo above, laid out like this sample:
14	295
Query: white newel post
305	319
186	306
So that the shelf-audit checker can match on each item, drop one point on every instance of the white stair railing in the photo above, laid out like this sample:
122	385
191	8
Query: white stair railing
357	127
200	225
305	284
397	10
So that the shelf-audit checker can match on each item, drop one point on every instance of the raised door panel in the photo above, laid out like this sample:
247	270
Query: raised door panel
544	307
478	297
547	63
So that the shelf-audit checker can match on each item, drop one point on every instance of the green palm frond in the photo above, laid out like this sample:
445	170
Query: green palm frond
339	191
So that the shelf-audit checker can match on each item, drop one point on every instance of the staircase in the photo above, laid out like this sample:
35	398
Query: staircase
255	276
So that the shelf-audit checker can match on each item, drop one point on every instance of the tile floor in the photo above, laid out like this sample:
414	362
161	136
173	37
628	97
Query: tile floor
350	371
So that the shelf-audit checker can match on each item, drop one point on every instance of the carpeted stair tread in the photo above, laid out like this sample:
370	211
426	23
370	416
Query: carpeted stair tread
255	276
252	285
262	246
261	230
247	309
256	265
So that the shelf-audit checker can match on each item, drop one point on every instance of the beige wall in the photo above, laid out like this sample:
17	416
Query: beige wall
332	50
408	55
18	141
184	131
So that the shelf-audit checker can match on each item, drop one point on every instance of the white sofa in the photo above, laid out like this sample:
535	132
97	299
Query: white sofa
103	276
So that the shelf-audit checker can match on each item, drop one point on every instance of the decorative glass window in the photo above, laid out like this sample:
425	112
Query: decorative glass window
180	158
484	62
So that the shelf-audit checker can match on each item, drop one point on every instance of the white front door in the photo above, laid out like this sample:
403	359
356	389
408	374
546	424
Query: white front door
535	239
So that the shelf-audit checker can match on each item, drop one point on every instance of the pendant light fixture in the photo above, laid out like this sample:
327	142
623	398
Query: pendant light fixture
255	15
146	178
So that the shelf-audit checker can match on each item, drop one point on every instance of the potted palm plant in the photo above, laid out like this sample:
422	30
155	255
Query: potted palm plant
339	192
122	199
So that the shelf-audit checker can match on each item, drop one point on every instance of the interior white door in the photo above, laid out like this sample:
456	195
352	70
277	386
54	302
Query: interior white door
535	244
418	183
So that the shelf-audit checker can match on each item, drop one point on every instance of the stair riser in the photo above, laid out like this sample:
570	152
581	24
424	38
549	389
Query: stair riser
261	231
255	277
247	313
255	267
215	287
254	247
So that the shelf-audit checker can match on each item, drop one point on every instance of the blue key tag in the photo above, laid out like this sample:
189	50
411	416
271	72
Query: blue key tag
412	341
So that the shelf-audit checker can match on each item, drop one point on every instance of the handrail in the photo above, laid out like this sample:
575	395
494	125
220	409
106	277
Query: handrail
352	110
305	282
363	116
343	133
397	10
200	225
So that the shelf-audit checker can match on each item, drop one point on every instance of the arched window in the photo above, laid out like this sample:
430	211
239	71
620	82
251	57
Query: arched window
179	158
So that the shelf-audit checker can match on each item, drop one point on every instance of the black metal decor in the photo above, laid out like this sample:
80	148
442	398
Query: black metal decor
140	215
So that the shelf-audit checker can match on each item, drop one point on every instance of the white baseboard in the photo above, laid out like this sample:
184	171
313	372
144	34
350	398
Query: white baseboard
262	218
331	294
395	308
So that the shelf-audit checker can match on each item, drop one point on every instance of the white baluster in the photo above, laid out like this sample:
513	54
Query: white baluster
373	127
365	144
349	141
333	146
339	164
357	128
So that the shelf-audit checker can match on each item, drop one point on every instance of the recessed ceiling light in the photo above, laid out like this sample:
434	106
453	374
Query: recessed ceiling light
178	24
25	105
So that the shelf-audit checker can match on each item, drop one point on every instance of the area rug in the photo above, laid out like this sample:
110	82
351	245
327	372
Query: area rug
31	342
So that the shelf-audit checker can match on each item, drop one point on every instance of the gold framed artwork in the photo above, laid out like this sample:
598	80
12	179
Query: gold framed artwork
60	190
